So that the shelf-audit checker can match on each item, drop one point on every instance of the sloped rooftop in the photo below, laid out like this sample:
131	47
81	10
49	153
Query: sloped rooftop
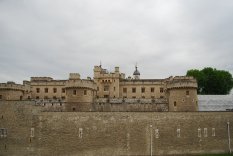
215	102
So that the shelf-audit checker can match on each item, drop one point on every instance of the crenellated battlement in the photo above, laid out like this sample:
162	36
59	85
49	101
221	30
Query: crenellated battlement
41	79
181	82
12	86
82	83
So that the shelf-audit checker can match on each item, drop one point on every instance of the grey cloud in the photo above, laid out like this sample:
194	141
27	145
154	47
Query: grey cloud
53	38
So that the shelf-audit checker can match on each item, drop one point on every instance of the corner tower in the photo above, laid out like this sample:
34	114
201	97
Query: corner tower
182	94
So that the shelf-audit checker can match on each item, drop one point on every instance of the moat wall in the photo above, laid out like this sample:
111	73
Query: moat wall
111	133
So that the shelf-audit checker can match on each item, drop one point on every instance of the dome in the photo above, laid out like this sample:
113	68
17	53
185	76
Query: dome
136	72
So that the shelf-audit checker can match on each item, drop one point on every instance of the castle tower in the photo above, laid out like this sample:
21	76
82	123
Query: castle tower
136	73
107	82
80	93
182	94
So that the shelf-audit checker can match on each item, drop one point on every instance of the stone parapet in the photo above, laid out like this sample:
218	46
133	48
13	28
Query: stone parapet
81	84
181	82
131	101
5	86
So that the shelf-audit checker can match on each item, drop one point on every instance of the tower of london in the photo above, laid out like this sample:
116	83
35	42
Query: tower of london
106	91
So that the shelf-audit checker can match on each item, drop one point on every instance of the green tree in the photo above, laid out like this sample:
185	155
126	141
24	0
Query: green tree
212	81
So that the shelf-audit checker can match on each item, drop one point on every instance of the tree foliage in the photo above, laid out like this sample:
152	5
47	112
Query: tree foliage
212	81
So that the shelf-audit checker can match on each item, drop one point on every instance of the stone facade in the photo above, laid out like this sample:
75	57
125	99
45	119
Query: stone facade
27	130
177	93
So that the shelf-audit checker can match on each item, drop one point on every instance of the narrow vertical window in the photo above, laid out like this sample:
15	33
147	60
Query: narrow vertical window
143	89
205	132
80	132
199	132
85	92
38	90
178	133
54	90
161	90
152	90
63	90
32	132
156	133
213	131
187	92
0	96
74	92
124	90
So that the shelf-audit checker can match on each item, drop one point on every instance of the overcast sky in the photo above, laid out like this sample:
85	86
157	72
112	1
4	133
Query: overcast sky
165	37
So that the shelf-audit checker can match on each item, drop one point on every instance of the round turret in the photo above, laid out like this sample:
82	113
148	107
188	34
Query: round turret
80	95
182	94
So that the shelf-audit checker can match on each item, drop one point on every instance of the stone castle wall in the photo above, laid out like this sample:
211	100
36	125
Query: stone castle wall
32	132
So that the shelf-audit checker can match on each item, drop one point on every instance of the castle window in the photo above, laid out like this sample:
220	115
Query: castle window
143	90
199	132
103	81
63	90
32	132
106	96
54	90
80	132
205	132
106	88
161	90
156	133
3	132
0	96
187	92
161	97
37	97
73	109
213	131
85	92
133	90
152	90
178	133
29	97
124	90
63	97
74	92
21	97
143	97
174	103
54	97
38	90
46	90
